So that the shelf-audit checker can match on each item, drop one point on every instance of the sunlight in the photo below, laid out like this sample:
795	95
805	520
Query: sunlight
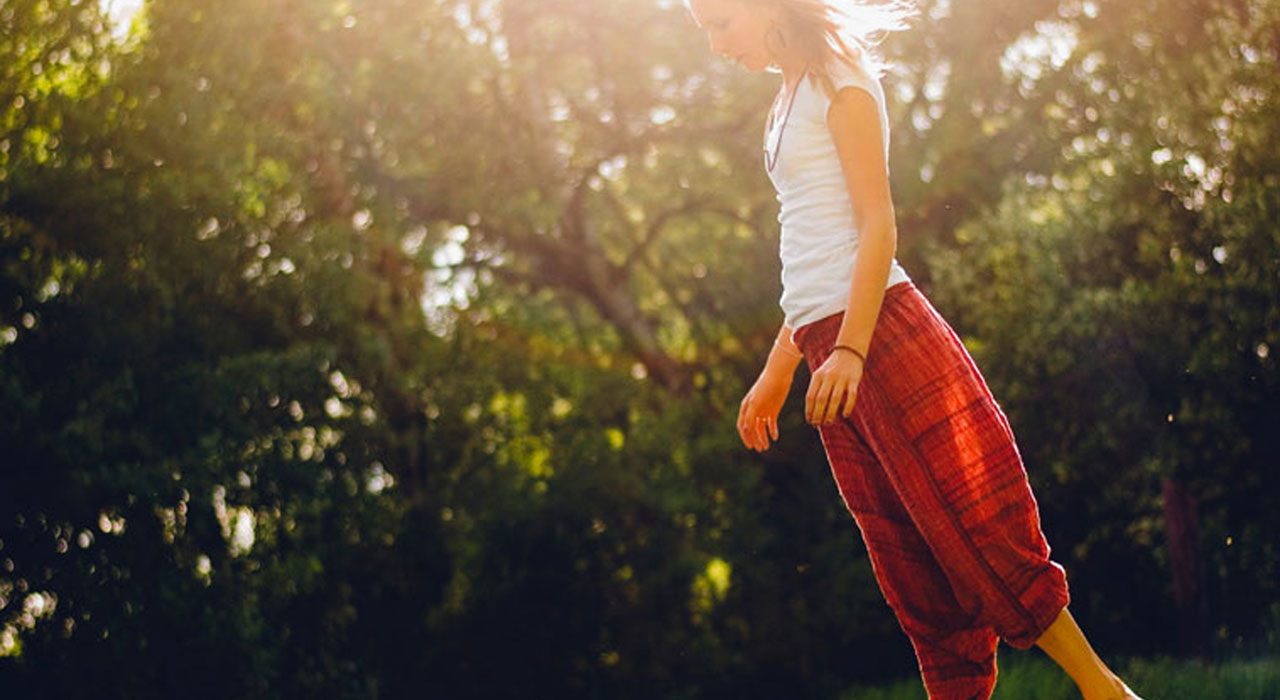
1048	47
710	587
237	523
120	14
379	479
451	283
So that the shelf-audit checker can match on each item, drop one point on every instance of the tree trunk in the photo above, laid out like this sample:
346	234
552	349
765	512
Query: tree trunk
1184	559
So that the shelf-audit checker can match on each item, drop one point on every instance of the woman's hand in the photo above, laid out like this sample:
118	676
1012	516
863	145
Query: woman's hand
836	379
758	414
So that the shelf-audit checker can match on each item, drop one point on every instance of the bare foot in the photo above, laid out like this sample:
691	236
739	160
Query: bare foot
1065	644
1122	691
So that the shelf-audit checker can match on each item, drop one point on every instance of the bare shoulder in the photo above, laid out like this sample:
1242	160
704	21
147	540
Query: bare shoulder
854	106
854	90
854	118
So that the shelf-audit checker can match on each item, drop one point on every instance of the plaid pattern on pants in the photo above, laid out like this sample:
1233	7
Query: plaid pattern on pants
928	466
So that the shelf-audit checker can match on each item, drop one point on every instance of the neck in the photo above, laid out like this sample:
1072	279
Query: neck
792	66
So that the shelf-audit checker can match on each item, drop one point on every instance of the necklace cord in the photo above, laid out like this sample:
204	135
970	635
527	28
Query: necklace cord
772	159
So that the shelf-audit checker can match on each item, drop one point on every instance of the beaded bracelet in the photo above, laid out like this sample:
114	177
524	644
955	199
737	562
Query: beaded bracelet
851	349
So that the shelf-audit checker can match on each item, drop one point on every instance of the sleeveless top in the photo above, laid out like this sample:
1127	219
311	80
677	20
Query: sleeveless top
819	232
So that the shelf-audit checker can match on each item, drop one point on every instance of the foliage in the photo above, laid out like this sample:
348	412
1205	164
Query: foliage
1123	304
374	348
1038	677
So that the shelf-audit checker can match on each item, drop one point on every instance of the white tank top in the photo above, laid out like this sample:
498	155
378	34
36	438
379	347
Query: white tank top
819	235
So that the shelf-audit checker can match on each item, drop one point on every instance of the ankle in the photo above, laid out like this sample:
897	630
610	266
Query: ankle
1113	689
1107	687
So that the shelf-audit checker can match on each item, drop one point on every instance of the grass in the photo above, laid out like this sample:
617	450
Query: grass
1024	676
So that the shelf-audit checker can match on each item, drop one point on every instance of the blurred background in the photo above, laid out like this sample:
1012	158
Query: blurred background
387	348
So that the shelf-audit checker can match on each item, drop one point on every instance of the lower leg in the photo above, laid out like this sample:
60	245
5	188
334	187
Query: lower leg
1065	643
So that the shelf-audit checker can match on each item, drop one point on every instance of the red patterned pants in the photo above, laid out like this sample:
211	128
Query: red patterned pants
928	466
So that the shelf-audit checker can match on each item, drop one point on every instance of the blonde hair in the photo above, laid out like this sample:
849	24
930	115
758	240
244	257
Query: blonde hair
825	31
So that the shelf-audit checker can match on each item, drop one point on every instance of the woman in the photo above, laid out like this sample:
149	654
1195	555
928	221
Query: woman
922	454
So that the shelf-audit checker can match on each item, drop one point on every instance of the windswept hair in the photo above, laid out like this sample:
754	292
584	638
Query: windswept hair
849	30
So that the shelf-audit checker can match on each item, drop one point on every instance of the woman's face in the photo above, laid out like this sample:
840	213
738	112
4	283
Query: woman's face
736	30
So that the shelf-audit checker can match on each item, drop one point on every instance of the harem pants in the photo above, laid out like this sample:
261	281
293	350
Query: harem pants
928	466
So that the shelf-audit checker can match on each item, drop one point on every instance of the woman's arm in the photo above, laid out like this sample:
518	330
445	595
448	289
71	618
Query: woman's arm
784	356
854	120
758	412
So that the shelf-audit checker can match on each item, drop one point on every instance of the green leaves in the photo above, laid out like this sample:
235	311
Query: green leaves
387	346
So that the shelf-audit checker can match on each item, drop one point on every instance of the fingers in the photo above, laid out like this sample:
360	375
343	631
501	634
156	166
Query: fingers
829	397
754	429
743	413
819	394
834	402
755	434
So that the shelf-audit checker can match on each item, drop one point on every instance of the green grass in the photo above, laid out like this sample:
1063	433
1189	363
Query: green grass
1032	676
